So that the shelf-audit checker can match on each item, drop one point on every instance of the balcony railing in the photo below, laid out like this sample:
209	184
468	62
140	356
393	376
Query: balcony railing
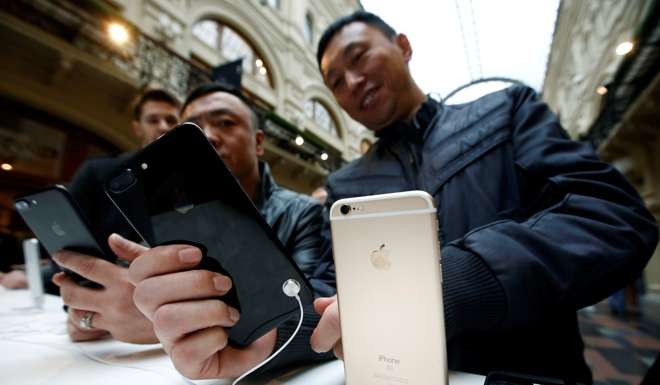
83	24
145	60
635	74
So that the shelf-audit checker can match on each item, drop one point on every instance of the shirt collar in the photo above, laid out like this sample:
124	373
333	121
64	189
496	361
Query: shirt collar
413	131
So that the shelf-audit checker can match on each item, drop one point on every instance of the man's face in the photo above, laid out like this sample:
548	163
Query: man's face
156	119
368	74
227	123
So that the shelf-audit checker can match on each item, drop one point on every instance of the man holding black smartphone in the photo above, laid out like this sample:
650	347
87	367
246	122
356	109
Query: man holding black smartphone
95	313
182	301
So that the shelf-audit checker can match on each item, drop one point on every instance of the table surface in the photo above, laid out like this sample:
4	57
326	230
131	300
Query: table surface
36	350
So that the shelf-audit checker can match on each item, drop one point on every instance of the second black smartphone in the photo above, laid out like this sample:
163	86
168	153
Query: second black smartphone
59	224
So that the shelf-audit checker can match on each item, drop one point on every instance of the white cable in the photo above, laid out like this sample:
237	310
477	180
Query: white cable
289	285
78	349
100	360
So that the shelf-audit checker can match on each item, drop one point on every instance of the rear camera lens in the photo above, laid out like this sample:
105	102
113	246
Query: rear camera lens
345	209
123	181
22	205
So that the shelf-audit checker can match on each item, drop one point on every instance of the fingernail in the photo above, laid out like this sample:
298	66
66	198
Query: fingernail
221	283
234	314
119	239
57	257
190	255
57	278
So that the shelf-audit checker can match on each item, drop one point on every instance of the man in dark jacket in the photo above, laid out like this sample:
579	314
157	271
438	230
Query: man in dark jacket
533	226
154	112
190	317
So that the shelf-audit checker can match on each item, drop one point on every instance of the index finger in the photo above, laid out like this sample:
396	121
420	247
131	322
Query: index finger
93	268
125	249
162	260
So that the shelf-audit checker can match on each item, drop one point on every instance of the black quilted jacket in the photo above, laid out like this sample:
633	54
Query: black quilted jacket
533	226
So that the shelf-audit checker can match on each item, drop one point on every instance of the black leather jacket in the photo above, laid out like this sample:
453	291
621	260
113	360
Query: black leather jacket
297	221
533	226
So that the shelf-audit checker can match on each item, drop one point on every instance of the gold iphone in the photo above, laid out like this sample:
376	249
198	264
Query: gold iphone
389	286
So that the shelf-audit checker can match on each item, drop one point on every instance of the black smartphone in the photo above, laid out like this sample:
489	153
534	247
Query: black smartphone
178	190
59	224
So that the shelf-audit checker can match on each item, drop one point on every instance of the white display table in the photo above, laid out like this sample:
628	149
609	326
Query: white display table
35	349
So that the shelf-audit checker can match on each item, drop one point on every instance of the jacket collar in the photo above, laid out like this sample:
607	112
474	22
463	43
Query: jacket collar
267	185
413	131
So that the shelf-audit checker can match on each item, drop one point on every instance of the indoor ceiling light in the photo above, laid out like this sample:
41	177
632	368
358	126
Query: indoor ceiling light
118	33
624	48
601	90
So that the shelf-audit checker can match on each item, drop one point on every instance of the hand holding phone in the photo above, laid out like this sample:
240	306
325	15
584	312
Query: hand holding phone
192	325
194	199
59	224
93	313
389	289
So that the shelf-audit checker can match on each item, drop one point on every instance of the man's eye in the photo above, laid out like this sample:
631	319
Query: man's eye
357	57
222	123
337	83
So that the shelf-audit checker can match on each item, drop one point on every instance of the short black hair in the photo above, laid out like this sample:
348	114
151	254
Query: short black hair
357	16
213	87
152	95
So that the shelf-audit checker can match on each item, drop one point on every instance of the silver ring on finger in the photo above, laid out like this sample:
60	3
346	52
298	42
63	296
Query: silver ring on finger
86	321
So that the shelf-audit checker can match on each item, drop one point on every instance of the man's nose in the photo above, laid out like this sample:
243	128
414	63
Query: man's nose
354	80
212	136
163	125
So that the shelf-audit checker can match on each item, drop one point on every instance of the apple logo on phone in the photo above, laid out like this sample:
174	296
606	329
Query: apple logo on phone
57	229
182	204
380	258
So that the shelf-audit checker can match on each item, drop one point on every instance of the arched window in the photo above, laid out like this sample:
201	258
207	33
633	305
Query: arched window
317	112
232	46
275	4
308	30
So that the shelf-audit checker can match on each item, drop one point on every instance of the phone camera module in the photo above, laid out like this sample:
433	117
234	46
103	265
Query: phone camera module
123	181
345	209
22	205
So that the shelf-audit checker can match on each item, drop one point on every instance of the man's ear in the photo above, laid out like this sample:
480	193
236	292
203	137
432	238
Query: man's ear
259	142
403	43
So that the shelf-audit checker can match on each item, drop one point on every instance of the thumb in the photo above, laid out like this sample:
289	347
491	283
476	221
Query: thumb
125	249
320	304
